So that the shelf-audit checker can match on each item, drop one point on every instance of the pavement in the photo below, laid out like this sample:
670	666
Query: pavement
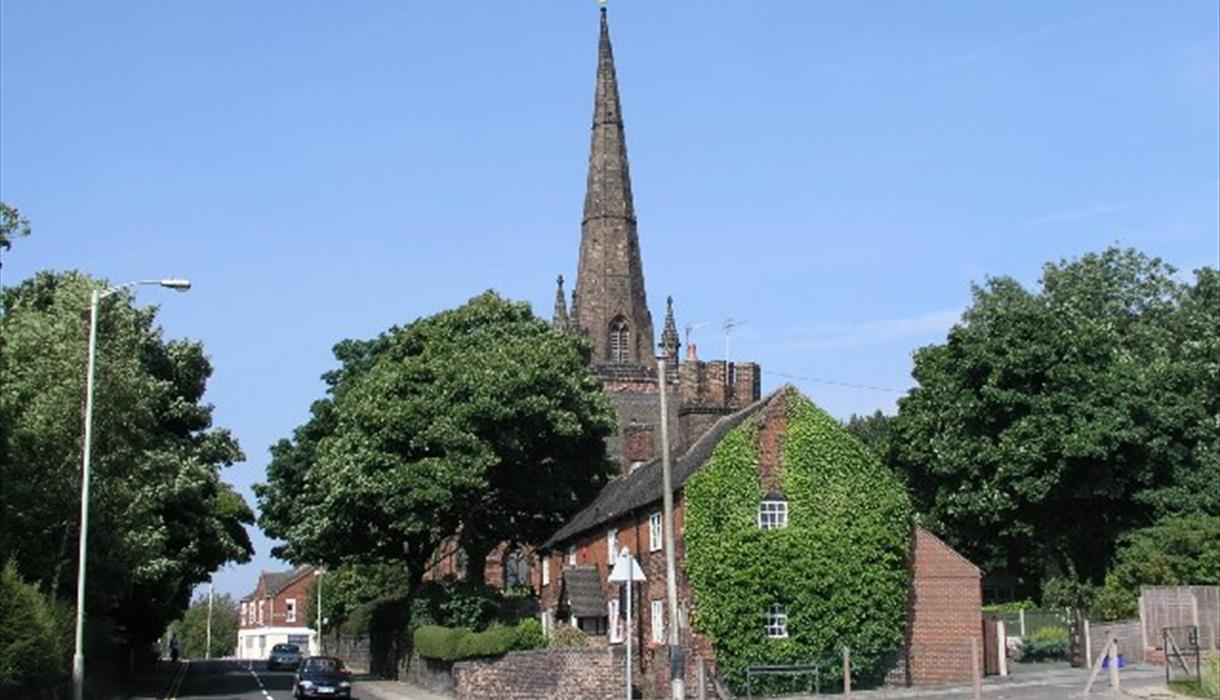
246	681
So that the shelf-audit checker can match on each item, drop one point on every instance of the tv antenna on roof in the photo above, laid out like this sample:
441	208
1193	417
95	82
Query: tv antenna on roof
729	325
691	328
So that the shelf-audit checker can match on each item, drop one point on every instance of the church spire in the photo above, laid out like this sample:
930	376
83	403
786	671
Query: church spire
610	276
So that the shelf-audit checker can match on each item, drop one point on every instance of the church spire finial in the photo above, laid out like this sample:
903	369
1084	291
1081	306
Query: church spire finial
669	335
560	318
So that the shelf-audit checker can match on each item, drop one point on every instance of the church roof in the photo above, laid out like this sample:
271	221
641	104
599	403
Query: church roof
643	485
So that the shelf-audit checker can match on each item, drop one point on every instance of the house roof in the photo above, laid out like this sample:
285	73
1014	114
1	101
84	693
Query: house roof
582	585
275	581
643	485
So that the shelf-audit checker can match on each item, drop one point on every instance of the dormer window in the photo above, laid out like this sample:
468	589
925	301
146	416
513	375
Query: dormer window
620	337
773	513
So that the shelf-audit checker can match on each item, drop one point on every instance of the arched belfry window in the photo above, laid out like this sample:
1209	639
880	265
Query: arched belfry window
620	339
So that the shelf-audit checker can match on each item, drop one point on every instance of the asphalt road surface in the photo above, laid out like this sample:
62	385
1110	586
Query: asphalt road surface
217	680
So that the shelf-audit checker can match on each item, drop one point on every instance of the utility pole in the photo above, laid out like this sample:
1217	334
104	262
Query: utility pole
677	660
207	650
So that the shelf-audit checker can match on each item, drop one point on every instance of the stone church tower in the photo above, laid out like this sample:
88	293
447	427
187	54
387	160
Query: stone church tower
610	306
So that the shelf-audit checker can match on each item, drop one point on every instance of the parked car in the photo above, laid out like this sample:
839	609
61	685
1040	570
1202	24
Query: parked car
284	656
322	676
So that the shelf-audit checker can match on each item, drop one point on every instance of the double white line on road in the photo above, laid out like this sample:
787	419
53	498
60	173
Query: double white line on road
175	685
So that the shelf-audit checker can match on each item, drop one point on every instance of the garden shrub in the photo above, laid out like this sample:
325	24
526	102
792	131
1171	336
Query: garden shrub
839	567
454	603
568	637
455	643
1046	644
529	635
436	642
33	642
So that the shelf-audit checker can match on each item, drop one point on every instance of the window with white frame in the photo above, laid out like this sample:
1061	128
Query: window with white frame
611	545
546	569
572	555
262	607
654	532
615	625
658	621
773	514
777	622
243	614
548	622
290	610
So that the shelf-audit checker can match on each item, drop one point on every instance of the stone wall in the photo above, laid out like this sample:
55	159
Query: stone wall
557	674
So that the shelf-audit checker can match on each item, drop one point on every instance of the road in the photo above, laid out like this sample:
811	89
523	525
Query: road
216	680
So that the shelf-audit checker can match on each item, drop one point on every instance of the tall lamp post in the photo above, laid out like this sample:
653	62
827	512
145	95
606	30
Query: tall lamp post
677	659
95	299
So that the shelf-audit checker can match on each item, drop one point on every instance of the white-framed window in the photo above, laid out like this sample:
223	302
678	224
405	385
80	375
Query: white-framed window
572	555
546	569
243	614
654	532
777	622
290	610
548	622
262	607
250	642
772	514
658	621
615	625
611	545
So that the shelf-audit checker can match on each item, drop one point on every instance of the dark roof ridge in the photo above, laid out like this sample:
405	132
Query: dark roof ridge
642	486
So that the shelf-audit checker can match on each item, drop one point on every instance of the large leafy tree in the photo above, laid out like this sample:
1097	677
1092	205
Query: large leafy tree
161	519
481	422
1053	420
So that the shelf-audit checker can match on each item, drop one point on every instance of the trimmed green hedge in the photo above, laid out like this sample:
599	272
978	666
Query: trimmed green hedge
839	567
455	643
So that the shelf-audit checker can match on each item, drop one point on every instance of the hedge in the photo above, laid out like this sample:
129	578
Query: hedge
839	567
34	641
455	643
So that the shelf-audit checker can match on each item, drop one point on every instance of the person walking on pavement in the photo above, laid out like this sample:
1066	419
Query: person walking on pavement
173	648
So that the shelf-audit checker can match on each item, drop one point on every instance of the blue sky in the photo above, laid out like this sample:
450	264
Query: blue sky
834	174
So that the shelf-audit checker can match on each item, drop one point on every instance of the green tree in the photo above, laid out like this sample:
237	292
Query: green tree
1176	551
1052	421
12	225
873	430
161	519
192	629
481	421
34	641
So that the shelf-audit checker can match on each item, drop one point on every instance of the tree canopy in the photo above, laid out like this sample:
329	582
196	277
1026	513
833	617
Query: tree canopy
192	629
481	420
1052	421
161	519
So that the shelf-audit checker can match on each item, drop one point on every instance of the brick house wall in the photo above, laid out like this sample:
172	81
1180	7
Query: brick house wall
283	614
944	612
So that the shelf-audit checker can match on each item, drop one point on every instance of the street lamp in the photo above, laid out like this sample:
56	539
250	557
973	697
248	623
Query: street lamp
95	298
677	659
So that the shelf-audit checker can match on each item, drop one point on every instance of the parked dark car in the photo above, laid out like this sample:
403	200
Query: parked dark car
322	677
284	656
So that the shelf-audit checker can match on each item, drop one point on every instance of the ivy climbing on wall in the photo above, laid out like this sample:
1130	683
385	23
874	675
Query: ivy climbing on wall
839	568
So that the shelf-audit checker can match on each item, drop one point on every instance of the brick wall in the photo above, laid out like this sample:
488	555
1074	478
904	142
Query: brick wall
944	613
557	674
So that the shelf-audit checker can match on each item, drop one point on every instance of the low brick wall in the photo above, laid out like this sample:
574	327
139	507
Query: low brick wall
1130	639
556	674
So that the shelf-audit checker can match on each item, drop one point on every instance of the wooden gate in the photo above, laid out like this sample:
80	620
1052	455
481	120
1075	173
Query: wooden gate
991	647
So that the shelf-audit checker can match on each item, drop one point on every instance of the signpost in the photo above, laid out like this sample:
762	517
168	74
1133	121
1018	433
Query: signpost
627	571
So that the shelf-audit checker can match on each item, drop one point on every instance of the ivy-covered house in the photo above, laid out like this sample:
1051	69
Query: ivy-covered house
792	542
